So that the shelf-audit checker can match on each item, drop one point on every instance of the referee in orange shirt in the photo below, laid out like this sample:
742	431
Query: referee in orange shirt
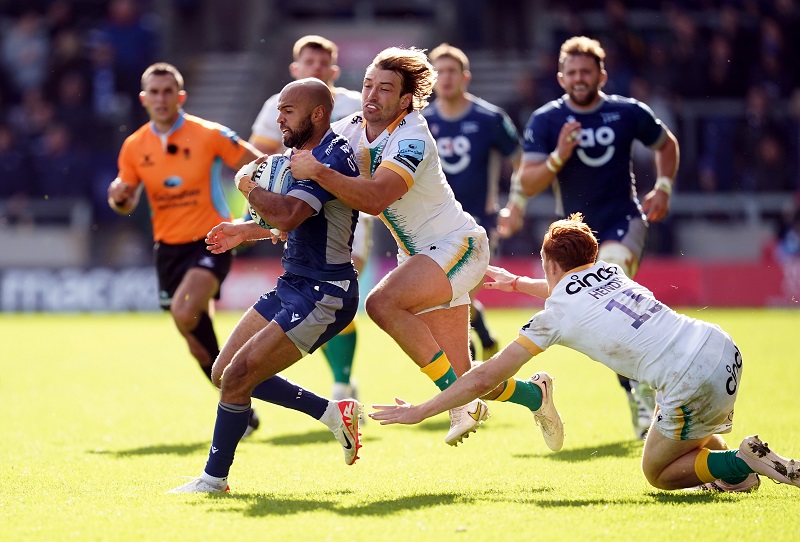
178	159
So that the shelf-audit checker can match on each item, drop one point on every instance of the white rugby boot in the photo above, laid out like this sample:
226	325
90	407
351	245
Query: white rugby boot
203	484
342	418
465	420
547	417
764	461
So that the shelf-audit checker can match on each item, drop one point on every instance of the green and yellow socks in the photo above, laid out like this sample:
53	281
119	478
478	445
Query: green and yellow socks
711	465
521	392
440	371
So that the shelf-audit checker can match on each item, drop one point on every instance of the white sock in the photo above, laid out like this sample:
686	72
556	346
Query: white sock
331	417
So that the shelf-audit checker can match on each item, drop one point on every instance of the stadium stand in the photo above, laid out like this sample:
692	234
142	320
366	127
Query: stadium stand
725	73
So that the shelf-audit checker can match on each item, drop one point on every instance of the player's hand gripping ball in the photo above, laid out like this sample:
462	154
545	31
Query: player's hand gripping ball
273	175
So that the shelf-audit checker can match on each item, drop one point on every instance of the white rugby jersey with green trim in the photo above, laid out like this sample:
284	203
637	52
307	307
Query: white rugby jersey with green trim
428	212
618	322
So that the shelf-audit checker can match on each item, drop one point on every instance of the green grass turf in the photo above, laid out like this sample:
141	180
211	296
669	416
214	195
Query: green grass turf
104	413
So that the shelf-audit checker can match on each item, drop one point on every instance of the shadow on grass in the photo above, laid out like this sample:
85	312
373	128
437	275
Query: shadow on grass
263	505
298	439
690	497
443	425
267	504
435	426
625	448
156	449
653	498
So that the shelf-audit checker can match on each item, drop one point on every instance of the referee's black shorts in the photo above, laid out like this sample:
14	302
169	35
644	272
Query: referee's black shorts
173	261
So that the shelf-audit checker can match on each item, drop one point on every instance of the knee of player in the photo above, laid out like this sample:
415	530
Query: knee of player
186	318
217	371
654	477
619	254
234	376
376	305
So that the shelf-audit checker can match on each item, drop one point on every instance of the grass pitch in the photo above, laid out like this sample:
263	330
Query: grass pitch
104	413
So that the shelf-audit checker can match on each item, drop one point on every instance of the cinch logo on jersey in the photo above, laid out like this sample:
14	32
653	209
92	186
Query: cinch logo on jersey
589	280
172	182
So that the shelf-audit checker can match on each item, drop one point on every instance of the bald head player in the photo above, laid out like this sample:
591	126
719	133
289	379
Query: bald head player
315	299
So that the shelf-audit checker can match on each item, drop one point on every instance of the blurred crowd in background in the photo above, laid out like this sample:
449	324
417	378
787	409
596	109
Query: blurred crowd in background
69	79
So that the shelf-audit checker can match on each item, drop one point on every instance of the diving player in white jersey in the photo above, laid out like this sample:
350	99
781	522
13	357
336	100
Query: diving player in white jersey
315	56
592	307
581	144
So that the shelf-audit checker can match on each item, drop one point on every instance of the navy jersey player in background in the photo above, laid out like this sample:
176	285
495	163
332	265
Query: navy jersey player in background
314	299
473	138
581	145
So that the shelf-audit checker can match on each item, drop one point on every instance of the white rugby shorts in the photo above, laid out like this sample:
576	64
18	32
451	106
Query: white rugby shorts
696	409
464	257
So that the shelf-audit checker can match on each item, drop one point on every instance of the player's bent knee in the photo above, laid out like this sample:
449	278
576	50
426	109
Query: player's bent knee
185	317
654	479
217	370
619	254
235	378
376	305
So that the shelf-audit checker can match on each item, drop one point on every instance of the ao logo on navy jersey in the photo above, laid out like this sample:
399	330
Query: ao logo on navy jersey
455	153
590	140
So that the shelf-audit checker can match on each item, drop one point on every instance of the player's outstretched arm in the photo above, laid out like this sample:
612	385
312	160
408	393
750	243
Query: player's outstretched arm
475	383
371	196
508	282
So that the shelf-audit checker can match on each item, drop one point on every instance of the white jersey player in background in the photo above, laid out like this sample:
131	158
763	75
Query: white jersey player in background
423	304
315	56
592	307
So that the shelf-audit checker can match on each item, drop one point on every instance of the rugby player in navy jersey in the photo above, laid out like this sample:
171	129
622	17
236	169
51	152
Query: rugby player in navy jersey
316	56
314	299
473	137
581	145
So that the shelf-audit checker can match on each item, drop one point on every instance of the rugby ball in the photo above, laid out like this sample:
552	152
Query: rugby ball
272	174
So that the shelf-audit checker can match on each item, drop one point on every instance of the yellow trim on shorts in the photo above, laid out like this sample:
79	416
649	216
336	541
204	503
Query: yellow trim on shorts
701	466
437	369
